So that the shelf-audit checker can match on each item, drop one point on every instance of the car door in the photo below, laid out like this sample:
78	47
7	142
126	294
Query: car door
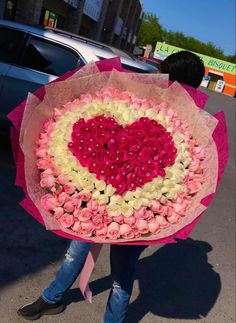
11	45
3	71
42	62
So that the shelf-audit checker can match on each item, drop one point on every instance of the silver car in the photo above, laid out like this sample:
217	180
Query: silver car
31	57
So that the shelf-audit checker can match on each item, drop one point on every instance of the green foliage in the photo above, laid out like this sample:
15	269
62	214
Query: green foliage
151	32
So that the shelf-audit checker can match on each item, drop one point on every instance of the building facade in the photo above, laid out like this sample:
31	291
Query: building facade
114	22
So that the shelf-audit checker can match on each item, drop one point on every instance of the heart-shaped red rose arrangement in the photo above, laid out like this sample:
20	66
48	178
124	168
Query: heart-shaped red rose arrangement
125	157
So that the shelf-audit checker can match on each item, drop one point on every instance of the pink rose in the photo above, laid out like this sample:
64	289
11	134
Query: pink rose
86	98
69	188
130	221
194	187
142	226
119	219
55	169
41	152
153	226
66	220
163	200
76	226
159	208
57	113
87	228
84	195
113	231
163	210
44	163
101	209
194	165
163	105
69	206
107	219
58	211
169	210
174	218
77	212
101	233
155	205
198	178
43	140
140	213
162	221
92	205
149	215
48	171
76	198
179	208
49	202
126	231
137	234
97	221
84	215
48	125
57	189
62	179
47	180
199	152
63	198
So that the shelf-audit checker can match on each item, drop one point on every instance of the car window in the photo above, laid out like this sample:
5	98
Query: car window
134	69
50	58
155	64
11	42
130	67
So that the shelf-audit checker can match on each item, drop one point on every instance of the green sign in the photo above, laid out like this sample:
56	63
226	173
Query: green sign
227	67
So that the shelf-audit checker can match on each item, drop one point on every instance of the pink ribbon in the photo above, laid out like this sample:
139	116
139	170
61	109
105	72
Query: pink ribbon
87	271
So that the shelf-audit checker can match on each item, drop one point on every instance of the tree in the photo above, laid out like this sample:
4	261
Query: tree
151	31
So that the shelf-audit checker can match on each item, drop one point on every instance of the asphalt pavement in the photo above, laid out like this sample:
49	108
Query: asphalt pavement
190	281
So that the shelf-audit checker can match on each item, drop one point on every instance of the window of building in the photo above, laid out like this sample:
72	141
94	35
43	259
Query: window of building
49	18
10	8
11	43
50	58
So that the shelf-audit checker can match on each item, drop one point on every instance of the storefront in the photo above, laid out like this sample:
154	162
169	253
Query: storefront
220	76
54	12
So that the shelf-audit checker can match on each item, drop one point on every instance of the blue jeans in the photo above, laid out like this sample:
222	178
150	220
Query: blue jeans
123	261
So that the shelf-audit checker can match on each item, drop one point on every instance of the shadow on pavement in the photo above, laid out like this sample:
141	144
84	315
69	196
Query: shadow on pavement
25	245
175	282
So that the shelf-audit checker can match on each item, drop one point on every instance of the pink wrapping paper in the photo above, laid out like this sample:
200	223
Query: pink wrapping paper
16	117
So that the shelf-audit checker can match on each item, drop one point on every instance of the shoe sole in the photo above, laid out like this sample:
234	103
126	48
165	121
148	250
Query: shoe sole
52	311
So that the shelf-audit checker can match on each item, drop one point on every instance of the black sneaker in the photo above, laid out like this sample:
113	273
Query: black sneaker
35	310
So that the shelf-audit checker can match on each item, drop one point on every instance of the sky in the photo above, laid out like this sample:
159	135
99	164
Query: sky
206	20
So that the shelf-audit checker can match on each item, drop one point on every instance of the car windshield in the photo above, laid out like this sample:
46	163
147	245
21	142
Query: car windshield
134	69
155	64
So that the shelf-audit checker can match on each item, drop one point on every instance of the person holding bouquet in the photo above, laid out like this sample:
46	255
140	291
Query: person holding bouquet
186	68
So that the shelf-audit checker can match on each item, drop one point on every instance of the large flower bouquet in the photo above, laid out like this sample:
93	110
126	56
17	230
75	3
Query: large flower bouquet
115	157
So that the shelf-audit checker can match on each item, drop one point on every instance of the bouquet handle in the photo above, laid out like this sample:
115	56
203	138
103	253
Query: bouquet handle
87	271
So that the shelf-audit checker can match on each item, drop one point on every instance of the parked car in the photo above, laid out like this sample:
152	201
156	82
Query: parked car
151	61
33	56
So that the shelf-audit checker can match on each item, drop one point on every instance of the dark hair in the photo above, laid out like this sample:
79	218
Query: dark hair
184	67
